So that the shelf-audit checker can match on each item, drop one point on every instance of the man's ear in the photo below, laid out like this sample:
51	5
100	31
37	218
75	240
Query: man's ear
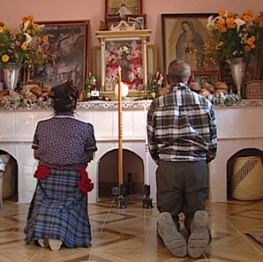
191	79
168	80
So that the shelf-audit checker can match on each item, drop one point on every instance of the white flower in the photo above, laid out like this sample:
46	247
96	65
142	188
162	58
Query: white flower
239	23
28	39
25	25
211	22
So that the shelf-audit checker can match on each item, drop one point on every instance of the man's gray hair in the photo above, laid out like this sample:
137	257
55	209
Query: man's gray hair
179	71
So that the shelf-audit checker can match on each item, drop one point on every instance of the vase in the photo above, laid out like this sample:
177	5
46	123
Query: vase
10	75
238	68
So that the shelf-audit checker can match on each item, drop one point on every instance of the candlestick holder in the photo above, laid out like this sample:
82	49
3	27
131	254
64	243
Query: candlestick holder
119	196
147	201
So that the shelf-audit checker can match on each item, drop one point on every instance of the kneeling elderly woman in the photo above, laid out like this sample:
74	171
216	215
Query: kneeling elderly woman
64	145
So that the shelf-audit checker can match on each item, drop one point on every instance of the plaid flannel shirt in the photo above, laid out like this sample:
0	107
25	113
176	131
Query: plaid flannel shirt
181	126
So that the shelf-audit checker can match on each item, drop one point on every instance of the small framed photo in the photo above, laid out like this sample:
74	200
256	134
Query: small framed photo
123	7
203	77
138	20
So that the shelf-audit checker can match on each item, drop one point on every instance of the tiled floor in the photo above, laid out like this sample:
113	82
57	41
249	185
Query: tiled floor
125	235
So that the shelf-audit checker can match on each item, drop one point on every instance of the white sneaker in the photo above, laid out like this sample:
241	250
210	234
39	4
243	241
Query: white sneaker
43	242
54	244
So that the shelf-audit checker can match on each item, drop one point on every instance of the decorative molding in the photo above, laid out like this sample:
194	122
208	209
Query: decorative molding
102	105
123	26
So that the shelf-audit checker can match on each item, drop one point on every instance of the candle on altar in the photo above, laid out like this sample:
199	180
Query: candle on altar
147	154
120	127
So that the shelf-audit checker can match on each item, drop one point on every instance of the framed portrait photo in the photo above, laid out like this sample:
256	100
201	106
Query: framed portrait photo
184	37
203	77
123	7
70	52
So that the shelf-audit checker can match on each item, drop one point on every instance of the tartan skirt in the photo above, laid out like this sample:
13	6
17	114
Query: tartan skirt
59	210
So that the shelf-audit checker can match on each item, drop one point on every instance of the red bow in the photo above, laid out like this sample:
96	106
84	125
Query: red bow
42	172
85	183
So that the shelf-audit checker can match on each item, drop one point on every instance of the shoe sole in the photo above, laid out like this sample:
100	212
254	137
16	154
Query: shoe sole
200	237
172	239
54	244
43	242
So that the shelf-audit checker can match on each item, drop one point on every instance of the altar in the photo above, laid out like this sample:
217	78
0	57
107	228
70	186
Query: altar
239	127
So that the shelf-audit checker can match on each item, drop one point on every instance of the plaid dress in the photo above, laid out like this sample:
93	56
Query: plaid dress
58	209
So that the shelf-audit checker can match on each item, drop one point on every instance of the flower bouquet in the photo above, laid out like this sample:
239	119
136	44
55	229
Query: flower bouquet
27	47
237	35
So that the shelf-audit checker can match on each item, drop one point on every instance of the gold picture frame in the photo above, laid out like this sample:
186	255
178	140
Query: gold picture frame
70	48
152	61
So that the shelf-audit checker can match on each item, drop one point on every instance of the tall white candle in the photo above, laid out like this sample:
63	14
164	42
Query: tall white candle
120	127
147	154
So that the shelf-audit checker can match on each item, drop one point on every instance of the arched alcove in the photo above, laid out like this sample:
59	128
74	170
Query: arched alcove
230	164
10	176
133	168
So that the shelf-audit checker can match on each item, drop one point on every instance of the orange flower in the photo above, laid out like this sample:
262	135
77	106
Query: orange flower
223	12
18	43
231	22
24	19
248	48
5	58
24	47
45	38
31	17
36	26
1	29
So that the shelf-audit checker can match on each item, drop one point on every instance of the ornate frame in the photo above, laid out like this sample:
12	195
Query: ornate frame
138	20
127	49
174	38
70	55
152	61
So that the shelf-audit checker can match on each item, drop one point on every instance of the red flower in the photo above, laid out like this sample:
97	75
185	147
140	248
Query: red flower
42	172
85	183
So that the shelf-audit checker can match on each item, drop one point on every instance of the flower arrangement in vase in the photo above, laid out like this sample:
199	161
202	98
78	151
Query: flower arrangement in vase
238	39
236	35
26	47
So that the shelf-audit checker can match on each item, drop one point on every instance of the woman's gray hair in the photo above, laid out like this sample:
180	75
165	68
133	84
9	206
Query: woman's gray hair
179	71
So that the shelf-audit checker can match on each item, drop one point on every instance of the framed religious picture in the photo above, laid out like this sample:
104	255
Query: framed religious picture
127	51
203	77
184	37
152	61
70	53
123	7
138	20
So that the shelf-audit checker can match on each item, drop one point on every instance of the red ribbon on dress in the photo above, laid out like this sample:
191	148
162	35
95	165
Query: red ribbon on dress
85	183
42	172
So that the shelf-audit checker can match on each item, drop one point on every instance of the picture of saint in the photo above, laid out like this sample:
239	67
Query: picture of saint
188	41
123	7
123	11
